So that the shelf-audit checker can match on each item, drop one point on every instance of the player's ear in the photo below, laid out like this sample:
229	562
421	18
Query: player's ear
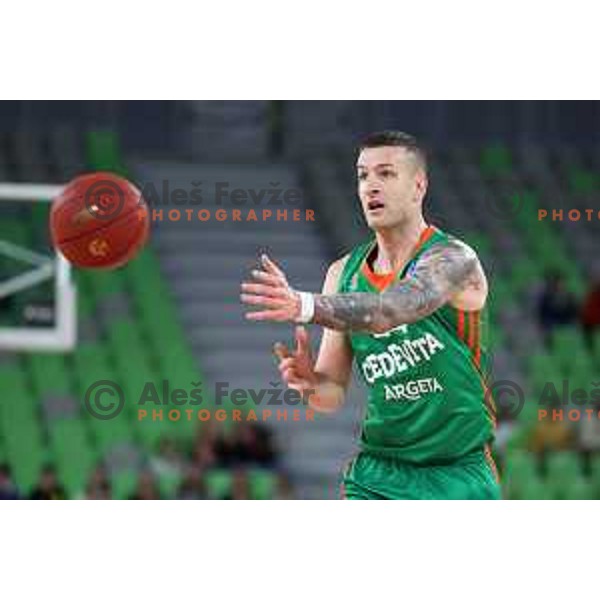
421	183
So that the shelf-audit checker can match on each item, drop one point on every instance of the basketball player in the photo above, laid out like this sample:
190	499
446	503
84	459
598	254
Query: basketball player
406	306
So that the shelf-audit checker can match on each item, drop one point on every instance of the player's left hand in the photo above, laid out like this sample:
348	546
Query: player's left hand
270	291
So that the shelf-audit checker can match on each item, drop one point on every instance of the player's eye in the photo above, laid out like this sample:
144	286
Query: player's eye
387	173
361	176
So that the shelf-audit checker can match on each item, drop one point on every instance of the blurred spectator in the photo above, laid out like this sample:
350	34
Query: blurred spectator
229	448
548	434
257	445
170	461
247	444
192	487
203	452
240	487
237	448
284	488
102	491
506	424
590	311
147	488
48	487
8	490
589	431
504	433
99	487
556	305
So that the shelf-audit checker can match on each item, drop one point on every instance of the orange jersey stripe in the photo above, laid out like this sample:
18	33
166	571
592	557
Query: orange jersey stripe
491	462
478	347
380	281
471	330
461	325
477	342
474	344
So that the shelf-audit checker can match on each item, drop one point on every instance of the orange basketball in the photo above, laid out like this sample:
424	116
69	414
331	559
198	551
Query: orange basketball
99	221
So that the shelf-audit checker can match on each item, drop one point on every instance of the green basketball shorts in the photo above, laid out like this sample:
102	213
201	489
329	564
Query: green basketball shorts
374	477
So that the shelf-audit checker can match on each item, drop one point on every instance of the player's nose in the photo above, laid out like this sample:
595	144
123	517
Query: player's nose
373	191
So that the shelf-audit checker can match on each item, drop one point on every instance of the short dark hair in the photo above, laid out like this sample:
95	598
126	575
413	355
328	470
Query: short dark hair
398	139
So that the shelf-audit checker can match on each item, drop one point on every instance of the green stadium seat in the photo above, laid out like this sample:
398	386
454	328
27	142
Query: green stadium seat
535	489
129	352
104	283
112	433
72	453
168	484
479	242
582	181
524	274
86	303
521	461
20	428
563	465
263	484
569	337
49	374
569	488
526	218
124	484
218	483
519	468
103	151
528	415
580	489
90	363
496	160
576	284
541	361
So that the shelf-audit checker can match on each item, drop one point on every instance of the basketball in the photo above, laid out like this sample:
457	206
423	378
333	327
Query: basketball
99	221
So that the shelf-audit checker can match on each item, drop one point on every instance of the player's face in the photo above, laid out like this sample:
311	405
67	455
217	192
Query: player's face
391	186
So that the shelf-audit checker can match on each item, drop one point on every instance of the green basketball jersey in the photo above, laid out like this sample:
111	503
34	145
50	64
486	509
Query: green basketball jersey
427	399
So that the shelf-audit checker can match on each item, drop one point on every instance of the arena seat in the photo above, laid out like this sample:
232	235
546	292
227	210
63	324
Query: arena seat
535	489
23	436
580	489
123	484
218	483
564	466
263	484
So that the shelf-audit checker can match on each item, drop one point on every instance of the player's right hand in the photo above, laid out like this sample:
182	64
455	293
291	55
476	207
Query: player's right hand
297	368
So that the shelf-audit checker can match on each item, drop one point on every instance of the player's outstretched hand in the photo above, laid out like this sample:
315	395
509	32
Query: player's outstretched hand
297	369
270	291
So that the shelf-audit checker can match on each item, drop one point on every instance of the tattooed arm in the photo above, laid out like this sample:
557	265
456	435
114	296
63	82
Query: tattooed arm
445	273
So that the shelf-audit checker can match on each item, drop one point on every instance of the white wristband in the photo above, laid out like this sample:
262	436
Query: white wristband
307	307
